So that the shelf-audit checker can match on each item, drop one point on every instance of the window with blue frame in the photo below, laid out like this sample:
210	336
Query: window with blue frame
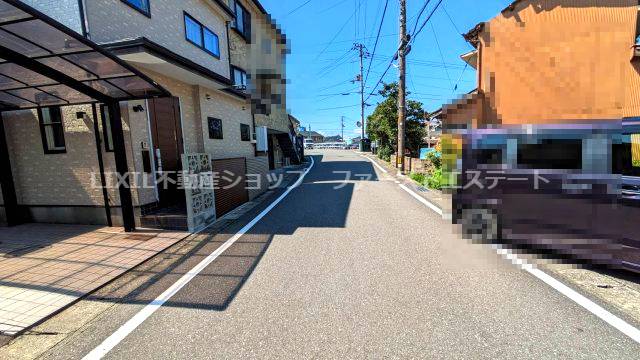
242	22
201	36
239	79
211	42
140	5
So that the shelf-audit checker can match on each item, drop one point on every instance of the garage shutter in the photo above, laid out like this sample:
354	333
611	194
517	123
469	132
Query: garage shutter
230	171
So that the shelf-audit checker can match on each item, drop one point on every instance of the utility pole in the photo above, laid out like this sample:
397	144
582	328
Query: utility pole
342	127
360	48
428	122
401	84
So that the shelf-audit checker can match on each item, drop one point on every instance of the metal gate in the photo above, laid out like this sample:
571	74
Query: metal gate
231	188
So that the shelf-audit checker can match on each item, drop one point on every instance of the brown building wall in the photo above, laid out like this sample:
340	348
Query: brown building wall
561	60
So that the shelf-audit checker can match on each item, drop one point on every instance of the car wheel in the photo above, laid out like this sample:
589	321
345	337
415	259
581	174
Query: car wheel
481	225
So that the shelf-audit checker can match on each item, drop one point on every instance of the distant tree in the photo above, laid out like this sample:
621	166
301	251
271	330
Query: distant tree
382	125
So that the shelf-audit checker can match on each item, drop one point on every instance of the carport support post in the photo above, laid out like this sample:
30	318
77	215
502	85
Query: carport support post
120	153
6	180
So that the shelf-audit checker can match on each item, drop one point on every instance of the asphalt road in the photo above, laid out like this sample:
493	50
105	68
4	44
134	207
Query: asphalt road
359	271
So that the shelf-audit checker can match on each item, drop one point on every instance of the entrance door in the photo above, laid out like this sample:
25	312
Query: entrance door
231	188
272	157
166	133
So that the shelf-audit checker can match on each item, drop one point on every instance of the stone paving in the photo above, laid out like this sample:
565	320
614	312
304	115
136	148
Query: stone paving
46	267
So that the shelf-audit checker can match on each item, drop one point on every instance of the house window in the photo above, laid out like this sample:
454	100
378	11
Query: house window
107	135
245	132
239	78
626	156
488	156
140	5
201	36
211	42
52	130
638	25
551	154
215	128
242	21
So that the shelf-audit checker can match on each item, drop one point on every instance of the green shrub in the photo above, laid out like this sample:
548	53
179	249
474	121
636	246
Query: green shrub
385	153
435	158
418	177
436	180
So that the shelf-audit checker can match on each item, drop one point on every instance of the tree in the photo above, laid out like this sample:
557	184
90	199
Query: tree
382	125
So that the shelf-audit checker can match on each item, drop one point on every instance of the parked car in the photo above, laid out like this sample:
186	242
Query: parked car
308	144
572	189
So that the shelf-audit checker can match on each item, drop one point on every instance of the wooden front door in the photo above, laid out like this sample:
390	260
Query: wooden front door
166	134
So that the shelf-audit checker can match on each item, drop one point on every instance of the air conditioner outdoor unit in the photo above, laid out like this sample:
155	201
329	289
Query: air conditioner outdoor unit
261	139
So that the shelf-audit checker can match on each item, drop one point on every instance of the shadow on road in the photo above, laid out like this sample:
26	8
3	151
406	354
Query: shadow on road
321	201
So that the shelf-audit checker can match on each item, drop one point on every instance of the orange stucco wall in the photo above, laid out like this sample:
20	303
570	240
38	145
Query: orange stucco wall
560	60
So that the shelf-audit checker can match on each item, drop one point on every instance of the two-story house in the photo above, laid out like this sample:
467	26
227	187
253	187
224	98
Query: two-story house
258	59
182	46
552	62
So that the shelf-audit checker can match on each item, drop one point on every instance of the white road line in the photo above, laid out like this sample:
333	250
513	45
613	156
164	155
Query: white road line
376	164
597	310
114	339
421	199
578	298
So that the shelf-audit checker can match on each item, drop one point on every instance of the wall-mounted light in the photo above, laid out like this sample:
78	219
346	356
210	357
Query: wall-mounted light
138	108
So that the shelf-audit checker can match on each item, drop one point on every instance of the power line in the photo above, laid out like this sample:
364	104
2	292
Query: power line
335	65
380	80
338	107
441	55
384	13
332	6
424	7
413	38
451	19
337	34
334	85
460	78
298	8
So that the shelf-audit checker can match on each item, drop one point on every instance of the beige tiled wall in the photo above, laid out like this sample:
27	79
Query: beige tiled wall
71	178
53	179
233	112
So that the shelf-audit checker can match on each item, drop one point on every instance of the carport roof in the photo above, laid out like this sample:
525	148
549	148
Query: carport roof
44	63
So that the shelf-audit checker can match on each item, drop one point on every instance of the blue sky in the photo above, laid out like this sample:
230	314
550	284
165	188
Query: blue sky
320	70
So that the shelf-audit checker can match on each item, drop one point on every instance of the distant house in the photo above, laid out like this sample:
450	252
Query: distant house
433	128
335	138
315	136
